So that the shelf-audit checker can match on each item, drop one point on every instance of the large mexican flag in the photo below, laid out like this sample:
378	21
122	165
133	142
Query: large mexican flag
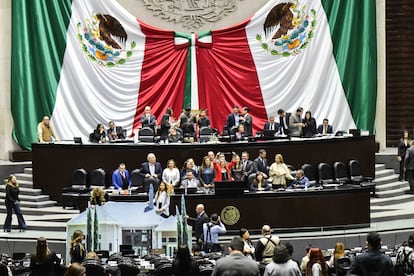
89	62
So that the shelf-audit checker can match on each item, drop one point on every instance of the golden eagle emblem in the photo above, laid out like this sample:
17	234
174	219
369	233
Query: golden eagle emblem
103	39
288	29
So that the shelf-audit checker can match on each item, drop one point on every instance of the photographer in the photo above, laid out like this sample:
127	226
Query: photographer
211	231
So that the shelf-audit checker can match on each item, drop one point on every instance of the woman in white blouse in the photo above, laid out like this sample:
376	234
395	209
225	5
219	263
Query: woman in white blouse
162	200
171	174
279	172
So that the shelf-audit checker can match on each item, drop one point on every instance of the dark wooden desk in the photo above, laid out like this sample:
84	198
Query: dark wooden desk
53	164
346	207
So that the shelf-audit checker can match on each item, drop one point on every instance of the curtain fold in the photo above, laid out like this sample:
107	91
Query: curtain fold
38	46
353	30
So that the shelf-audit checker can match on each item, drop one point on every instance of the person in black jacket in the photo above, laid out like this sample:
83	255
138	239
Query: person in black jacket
201	218
183	264
44	262
77	251
12	203
403	145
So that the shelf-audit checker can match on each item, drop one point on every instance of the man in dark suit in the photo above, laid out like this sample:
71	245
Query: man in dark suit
151	171
260	163
115	132
232	119
247	121
271	124
283	122
198	222
409	166
147	119
325	127
247	165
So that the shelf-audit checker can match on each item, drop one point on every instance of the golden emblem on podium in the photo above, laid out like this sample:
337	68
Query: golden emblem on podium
230	215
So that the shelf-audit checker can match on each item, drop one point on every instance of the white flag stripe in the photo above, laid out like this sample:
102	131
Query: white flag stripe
88	93
309	79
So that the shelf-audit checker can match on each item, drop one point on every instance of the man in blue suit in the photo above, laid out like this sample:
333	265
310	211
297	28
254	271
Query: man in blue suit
120	178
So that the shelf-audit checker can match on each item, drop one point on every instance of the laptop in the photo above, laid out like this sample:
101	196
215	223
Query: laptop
229	188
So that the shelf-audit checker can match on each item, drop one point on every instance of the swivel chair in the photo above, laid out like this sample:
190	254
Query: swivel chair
97	178
326	175
310	173
341	173
146	134
358	179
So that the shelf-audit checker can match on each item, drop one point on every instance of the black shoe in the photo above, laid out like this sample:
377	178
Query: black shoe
7	230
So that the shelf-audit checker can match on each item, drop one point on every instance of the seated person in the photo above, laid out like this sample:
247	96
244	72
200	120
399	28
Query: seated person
189	165
190	181
271	124
240	134
115	132
98	135
98	197
207	173
174	136
151	171
301	181
325	127
121	179
148	119
259	183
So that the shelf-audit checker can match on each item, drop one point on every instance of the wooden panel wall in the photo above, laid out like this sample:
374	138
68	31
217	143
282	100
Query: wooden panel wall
400	69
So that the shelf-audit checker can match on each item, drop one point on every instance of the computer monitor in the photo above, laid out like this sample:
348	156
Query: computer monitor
269	133
77	140
229	187
355	132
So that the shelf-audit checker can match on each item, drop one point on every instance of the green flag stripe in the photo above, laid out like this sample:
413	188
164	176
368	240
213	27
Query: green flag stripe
353	30
38	46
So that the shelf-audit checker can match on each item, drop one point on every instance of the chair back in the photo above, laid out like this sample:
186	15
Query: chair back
94	269
97	178
128	269
3	270
233	130
205	131
342	265
136	179
146	134
354	168
79	177
309	171
341	173
164	270
325	172
250	179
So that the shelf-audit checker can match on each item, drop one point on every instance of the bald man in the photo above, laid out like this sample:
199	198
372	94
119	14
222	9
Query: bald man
148	119
198	222
266	245
45	132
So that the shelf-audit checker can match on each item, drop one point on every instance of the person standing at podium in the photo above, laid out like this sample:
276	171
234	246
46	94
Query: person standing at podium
198	222
45	132
171	174
271	124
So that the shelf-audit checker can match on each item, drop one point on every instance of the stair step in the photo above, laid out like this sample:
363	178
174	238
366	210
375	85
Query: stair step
42	211
24	191
386	179
30	198
28	170
25	183
391	186
391	193
379	167
24	176
392	200
383	173
40	204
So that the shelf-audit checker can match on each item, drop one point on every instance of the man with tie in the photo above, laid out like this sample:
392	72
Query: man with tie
271	124
247	121
147	119
120	178
325	128
283	122
115	132
247	165
151	171
232	119
296	124
260	163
